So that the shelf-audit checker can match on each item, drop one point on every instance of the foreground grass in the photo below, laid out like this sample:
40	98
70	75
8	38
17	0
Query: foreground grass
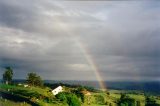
42	91
34	94
4	102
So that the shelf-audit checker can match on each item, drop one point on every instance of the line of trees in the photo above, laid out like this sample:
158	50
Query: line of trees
32	78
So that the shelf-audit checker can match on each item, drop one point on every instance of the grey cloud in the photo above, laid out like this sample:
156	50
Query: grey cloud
42	36
41	17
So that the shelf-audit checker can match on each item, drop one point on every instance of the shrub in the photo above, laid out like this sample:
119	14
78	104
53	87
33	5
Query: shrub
99	99
79	93
70	98
126	101
62	96
151	102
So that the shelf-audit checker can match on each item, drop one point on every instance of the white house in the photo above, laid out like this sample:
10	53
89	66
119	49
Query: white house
25	85
19	84
57	90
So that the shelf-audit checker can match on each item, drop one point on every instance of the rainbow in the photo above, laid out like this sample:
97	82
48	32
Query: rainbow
86	53
92	63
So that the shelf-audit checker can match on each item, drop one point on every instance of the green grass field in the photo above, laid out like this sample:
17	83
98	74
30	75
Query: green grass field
37	95
4	102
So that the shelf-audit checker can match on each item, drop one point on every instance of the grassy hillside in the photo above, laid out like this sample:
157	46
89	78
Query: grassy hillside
43	97
39	96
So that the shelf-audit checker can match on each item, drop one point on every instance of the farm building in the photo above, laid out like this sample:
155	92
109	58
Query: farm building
57	90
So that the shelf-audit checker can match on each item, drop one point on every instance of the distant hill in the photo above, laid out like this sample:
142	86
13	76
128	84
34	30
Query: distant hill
148	86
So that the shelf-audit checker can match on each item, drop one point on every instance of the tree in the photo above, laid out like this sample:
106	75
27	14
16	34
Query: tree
126	101
38	81
8	74
34	80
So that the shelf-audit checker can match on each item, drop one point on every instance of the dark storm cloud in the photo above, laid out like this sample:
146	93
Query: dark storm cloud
41	36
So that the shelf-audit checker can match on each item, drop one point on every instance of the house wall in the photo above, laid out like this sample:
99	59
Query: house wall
57	90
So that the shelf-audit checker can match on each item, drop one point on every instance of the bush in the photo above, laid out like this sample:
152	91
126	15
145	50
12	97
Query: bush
99	99
151	102
126	101
62	96
70	98
79	93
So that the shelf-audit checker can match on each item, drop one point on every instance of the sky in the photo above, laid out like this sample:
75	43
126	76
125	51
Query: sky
59	40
